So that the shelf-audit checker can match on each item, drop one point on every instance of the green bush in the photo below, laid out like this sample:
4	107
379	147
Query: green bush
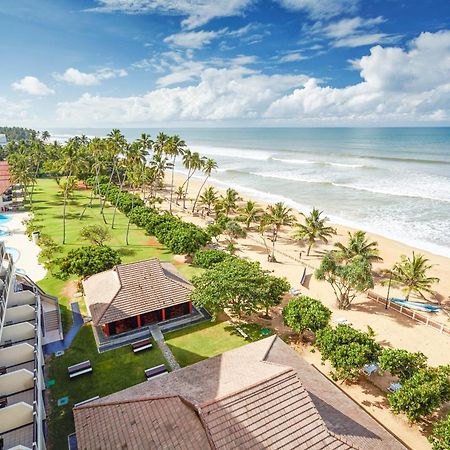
347	349
207	258
86	261
305	313
423	393
440	438
402	363
183	238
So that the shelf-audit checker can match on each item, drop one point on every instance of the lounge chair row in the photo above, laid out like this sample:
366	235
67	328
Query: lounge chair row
370	369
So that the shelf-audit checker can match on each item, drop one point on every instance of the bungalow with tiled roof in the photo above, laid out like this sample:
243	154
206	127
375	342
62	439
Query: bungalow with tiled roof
260	396
132	295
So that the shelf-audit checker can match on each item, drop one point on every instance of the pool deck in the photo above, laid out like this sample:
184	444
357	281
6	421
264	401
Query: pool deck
29	252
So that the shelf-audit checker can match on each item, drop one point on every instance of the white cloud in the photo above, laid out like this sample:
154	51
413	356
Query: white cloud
292	57
192	39
198	12
12	112
74	76
352	32
319	9
32	86
397	86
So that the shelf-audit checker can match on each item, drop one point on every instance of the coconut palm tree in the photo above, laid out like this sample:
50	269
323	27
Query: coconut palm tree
208	199
174	147
192	162
250	213
314	229
159	146
21	167
208	165
411	273
38	155
358	245
179	193
229	201
146	144
277	216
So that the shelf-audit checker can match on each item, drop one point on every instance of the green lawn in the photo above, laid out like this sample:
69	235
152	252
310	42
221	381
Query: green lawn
193	344
112	371
48	208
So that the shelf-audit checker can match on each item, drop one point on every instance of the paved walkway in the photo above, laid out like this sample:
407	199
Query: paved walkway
167	353
70	335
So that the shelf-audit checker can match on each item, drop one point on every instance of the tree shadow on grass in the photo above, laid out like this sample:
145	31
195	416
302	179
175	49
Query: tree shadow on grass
126	251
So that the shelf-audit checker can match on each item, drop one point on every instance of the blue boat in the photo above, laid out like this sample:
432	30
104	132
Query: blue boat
415	305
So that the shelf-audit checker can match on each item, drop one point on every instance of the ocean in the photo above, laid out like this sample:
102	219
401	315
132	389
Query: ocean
391	181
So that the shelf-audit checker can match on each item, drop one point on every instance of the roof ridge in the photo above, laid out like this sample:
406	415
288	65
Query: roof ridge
106	307
200	406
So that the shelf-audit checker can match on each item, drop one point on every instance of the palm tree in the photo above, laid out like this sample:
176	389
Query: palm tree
314	229
249	213
358	245
411	273
38	154
72	162
208	199
192	162
208	165
179	193
21	167
158	166
174	147
277	216
229	201
159	146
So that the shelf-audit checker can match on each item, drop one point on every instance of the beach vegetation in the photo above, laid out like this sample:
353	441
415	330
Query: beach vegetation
173	147
401	363
306	314
250	213
207	167
347	278
314	229
347	349
227	204
422	394
208	199
358	245
440	437
238	285
87	261
192	162
411	275
276	217
95	234
207	258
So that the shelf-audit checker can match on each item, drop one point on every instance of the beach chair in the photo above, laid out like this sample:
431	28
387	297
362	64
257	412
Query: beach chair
342	321
394	387
294	292
369	369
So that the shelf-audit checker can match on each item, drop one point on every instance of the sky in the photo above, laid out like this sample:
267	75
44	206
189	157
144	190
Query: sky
132	63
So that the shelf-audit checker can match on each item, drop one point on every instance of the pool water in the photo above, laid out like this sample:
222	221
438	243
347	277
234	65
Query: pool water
4	218
4	231
13	252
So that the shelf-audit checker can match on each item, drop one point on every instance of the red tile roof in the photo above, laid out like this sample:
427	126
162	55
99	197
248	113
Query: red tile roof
135	288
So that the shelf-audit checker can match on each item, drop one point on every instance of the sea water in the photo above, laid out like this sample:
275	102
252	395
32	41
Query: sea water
391	181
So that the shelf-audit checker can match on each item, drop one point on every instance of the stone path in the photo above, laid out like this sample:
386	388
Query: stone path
167	353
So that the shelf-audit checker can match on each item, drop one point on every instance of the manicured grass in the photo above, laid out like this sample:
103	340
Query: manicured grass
193	344
112	371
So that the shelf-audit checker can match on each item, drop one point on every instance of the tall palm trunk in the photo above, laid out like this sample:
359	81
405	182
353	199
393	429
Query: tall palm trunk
107	191
117	200
171	183
34	182
65	206
129	217
198	194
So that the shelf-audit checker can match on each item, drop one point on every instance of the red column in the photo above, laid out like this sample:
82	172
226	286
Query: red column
139	321
190	307
163	313
106	329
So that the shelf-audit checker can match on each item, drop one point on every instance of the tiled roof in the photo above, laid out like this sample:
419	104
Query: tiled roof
132	289
5	179
257	397
164	423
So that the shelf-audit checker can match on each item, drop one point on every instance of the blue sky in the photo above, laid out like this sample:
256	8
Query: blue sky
224	62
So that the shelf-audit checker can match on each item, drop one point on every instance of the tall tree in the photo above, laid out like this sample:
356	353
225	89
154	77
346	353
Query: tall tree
207	166
174	148
192	162
278	216
208	199
250	213
314	229
411	274
229	201
358	245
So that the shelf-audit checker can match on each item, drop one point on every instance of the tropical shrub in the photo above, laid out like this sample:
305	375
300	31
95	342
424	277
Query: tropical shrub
95	234
423	393
305	313
86	261
184	238
207	258
440	438
401	363
347	349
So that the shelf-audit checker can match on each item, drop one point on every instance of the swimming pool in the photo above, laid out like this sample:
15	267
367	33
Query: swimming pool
4	219
4	231
13	252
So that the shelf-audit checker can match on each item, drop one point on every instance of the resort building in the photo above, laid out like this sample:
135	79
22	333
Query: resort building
135	295
6	196
259	396
29	319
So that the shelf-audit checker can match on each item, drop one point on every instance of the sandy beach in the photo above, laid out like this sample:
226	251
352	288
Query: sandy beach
392	329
